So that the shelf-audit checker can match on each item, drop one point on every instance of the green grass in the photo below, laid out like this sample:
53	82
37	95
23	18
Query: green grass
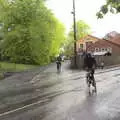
12	67
5	66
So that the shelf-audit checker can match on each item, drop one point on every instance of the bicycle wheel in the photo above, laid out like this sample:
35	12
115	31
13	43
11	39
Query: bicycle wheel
94	85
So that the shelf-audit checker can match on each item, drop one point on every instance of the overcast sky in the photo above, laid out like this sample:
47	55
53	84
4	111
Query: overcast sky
85	10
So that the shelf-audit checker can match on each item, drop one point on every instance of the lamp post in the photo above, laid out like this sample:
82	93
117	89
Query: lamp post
74	20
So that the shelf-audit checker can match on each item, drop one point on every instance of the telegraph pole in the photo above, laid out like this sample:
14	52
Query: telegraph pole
74	20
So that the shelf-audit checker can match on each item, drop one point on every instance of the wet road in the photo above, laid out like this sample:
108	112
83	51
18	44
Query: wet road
48	95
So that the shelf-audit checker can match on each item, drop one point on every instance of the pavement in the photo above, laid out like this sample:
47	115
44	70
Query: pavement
45	94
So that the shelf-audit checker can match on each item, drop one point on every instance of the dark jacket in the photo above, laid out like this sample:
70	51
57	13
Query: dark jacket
59	60
89	62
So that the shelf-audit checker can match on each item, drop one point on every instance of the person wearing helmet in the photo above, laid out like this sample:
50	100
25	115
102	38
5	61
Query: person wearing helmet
58	62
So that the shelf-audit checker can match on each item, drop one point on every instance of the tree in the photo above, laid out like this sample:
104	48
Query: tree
112	6
82	29
32	34
1	32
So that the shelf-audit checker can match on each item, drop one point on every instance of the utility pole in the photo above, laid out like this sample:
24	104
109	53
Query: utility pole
74	20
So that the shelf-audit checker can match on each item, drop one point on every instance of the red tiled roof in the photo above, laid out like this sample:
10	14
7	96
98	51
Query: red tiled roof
115	40
101	44
112	34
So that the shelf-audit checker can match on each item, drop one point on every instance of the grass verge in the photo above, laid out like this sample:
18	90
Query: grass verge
12	67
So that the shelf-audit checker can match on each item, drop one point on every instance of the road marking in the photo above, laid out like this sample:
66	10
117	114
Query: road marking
32	104
24	107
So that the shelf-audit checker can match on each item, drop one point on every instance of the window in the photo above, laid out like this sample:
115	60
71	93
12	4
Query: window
81	46
106	49
96	49
102	49
109	50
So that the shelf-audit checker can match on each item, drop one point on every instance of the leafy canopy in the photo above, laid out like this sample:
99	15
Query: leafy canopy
82	29
32	34
112	6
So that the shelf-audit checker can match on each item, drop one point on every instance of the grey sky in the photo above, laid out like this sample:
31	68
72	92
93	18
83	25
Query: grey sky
85	10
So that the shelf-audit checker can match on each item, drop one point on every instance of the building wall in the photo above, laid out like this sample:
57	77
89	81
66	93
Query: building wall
85	41
105	44
114	59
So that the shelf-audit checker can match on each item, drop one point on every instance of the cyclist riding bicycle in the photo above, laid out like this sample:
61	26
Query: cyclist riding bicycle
58	62
90	65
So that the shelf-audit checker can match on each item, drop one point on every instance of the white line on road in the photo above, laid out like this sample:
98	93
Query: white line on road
32	104
24	107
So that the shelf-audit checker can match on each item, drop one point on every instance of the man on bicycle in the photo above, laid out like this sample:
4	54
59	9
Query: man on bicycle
58	62
90	64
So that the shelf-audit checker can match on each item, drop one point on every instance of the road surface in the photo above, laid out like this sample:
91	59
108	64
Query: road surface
48	95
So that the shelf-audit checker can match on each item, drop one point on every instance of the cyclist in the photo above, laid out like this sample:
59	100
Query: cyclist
90	64
58	62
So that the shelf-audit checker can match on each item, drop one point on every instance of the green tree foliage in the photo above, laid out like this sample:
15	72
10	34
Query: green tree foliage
82	29
112	6
32	34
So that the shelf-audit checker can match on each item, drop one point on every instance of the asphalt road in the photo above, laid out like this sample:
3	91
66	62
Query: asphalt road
48	95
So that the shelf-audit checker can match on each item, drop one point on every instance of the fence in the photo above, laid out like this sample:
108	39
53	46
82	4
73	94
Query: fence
108	61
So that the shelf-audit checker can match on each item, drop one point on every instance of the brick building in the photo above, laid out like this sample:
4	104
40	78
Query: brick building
109	44
104	46
84	42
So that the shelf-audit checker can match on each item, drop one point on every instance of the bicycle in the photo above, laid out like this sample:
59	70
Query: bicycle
91	81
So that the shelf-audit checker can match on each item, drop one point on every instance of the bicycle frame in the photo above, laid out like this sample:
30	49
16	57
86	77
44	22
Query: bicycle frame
91	80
